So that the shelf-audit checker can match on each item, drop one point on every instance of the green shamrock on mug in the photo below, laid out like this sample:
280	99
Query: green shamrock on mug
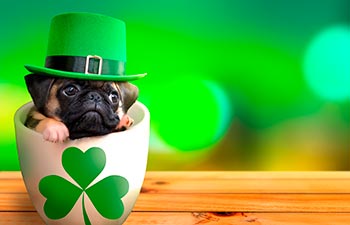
61	195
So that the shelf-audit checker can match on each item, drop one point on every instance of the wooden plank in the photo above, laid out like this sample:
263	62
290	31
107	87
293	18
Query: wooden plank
221	175
10	175
237	218
166	185
15	202
190	175
20	218
12	186
208	218
221	186
231	182
245	202
216	202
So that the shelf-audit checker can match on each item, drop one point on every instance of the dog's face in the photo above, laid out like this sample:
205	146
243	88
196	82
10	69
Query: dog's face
86	107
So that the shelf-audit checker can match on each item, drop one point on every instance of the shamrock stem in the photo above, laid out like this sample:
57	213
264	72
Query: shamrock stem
86	218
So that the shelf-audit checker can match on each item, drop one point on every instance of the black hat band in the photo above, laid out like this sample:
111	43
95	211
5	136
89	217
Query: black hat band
89	64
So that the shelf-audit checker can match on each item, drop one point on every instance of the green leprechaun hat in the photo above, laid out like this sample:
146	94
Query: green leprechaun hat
86	46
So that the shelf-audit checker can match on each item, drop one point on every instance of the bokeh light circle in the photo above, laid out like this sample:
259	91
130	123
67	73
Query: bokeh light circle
327	63
191	114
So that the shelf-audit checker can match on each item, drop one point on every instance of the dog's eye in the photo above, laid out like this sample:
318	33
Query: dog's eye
70	90
113	96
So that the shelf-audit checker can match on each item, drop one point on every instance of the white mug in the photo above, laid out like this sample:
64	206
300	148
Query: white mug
92	180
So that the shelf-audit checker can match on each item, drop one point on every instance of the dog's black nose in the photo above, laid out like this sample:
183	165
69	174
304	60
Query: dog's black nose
94	96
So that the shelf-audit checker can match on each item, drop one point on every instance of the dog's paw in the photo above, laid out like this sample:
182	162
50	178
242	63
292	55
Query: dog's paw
53	130
125	123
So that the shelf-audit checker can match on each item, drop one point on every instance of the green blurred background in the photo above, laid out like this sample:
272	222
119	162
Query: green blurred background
232	85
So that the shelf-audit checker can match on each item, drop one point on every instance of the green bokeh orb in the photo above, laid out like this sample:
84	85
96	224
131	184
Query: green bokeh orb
191	114
327	63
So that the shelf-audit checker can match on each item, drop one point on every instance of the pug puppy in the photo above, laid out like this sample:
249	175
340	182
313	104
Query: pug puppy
73	108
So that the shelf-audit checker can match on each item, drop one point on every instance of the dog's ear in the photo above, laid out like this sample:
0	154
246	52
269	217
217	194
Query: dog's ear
39	87
129	94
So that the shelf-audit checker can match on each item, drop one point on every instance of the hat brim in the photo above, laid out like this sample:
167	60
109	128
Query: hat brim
83	76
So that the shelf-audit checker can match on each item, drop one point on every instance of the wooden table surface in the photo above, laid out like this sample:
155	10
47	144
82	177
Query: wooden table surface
189	198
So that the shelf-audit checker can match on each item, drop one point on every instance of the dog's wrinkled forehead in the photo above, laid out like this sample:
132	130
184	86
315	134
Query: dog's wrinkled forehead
88	84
